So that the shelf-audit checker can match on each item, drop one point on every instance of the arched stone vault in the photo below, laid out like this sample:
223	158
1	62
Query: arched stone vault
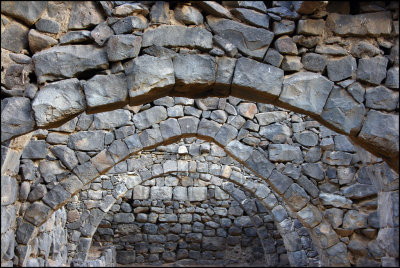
73	78
259	191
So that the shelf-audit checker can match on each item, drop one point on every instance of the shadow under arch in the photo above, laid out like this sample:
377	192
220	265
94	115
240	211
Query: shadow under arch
253	189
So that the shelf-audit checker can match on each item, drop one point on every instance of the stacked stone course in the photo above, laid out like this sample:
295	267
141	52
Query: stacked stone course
103	102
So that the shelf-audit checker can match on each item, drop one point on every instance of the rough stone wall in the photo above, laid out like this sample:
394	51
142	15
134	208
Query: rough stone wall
346	198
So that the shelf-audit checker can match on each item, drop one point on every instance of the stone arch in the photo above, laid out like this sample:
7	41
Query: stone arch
258	191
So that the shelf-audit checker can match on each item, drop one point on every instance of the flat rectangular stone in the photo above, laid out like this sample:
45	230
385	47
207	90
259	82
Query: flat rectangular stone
279	181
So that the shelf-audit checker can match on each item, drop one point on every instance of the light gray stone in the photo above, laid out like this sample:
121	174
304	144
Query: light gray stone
251	17
129	24
29	12
276	133
39	41
197	193
161	193
87	140
66	156
314	170
56	196
284	153
121	47
337	158
279	181
311	27
178	36
372	70
306	138
342	111
354	220
149	117
307	91
335	200
58	101
392	78
188	15
381	98
48	26
239	150
84	15
37	213
35	149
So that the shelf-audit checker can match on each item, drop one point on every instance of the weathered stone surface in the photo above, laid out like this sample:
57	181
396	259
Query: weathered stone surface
381	98
326	235
252	17
337	158
16	117
226	134
105	90
314	170
150	137
335	200
215	9
56	196
283	27
306	138
39	41
373	24
121	47
58	101
76	60
260	164
118	150
75	37
354	220
307	91
279	181
341	68
188	124
14	37
170	128
194	73
285	153
149	117
276	133
314	62
311	27
48	26
388	239
291	63
87	140
37	193
149	78
9	190
363	48
101	33
178	36
159	12
357	91
124	217
372	70
37	213
283	12
296	196
208	128
161	193
331	50
310	216
286	46
381	130
112	119
197	193
265	81
66	155
129	8
249	40
224	75
27	11
392	78
359	191
338	255
72	184
270	117
273	57
239	150
343	112
214	243
128	24
188	15
85	14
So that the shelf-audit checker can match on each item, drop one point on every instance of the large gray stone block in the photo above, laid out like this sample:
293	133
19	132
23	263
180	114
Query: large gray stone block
285	153
250	41
372	70
87	140
381	98
264	81
27	11
307	91
149	117
112	119
76	59
149	78
121	47
37	213
178	36
58	102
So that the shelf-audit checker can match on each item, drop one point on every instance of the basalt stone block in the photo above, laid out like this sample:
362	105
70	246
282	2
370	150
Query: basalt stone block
106	91
310	216
178	36
373	24
226	134
149	117
121	47
72	184
194	73
149	78
252	17
335	200
9	190
56	196
48	26
372	70
279	181
112	119
75	37
276	133
314	170
37	193
354	220
208	128
57	102
342	68
314	62
37	213
36	149
170	128
188	124
224	75
342	111
286	46
159	12
381	98
66	156
307	91
285	153
306	138
333	50
264	81
101	33
14	37
239	150
381	130
39	41
311	27
27	11
87	140
359	191
259	163
250	41
392	78
362	49
188	15
337	158
85	14
129	24
150	137
16	117
76	59
118	150
296	196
